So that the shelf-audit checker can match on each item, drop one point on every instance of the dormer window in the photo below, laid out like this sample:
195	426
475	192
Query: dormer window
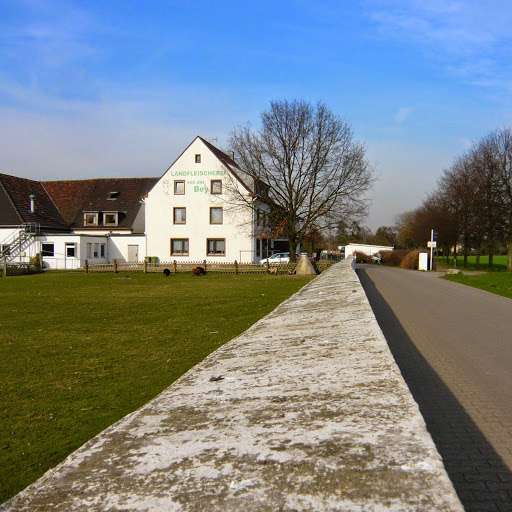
110	218
112	196
90	218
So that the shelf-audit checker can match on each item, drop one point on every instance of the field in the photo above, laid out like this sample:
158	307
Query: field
499	283
500	262
78	352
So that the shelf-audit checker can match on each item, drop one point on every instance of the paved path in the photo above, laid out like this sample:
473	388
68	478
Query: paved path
453	345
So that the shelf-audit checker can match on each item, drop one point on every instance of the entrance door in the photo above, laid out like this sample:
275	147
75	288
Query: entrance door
133	253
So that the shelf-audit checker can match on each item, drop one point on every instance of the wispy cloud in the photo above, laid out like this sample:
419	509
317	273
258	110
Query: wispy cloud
402	114
469	38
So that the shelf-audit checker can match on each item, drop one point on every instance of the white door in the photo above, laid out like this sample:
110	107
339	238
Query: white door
133	253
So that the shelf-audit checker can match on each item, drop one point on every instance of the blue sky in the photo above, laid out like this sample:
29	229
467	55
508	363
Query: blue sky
119	88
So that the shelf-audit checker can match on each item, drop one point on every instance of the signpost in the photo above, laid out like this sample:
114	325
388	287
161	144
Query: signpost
432	244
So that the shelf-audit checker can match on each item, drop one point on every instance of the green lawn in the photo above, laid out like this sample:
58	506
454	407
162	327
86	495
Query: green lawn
500	262
78	352
494	282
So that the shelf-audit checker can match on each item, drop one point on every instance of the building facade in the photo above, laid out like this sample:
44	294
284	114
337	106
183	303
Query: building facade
204	207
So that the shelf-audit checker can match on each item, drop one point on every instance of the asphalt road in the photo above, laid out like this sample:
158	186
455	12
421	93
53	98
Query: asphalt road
453	345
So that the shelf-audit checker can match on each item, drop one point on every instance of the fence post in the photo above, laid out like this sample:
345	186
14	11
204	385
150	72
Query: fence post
5	267
236	267
115	266
174	269
145	266
204	263
86	266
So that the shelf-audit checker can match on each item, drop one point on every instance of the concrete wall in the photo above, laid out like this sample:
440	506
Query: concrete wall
305	411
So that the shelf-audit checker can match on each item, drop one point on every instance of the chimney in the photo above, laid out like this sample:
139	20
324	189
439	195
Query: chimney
32	198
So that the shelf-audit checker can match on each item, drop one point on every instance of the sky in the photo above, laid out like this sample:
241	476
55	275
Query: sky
94	89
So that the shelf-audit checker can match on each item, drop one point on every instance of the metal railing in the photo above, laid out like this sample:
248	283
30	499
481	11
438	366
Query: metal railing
12	245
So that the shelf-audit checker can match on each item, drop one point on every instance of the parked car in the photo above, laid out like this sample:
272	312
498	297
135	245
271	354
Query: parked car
281	258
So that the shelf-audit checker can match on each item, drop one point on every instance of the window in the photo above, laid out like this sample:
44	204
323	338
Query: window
47	250
216	246
70	250
261	189
179	215
103	250
90	219
179	246
110	219
179	187
216	186
215	215
96	252
198	159
112	196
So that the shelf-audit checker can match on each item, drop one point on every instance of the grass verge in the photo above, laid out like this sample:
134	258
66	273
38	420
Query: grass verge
499	283
499	262
78	352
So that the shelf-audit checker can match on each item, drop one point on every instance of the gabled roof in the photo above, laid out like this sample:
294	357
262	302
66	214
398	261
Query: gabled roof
15	204
121	195
60	204
228	162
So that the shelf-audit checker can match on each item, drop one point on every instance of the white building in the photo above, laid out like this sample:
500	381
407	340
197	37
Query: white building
191	213
368	249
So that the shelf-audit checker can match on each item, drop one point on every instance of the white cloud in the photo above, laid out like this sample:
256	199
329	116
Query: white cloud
402	114
469	38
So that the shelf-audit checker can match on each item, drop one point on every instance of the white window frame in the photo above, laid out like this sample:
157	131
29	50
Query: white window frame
69	245
116	217
94	215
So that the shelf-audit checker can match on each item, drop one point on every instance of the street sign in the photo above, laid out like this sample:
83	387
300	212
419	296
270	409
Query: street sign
432	244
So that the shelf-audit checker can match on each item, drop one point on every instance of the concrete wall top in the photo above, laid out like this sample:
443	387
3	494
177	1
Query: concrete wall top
311	413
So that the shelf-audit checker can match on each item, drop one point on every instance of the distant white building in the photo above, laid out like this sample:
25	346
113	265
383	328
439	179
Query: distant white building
368	249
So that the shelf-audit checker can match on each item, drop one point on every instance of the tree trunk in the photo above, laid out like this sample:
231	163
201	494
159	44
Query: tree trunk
477	258
292	247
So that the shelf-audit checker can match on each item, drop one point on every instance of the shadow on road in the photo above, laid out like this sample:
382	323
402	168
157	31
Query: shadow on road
481	479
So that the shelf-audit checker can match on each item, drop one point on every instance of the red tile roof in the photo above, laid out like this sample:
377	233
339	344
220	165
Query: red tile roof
15	204
73	198
60	204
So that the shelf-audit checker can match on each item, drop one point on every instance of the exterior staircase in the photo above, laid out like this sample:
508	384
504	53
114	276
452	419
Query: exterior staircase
15	243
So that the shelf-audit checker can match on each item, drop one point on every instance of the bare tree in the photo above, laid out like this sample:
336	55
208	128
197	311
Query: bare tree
311	172
500	159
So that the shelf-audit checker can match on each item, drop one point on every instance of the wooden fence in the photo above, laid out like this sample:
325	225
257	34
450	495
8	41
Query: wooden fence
180	267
